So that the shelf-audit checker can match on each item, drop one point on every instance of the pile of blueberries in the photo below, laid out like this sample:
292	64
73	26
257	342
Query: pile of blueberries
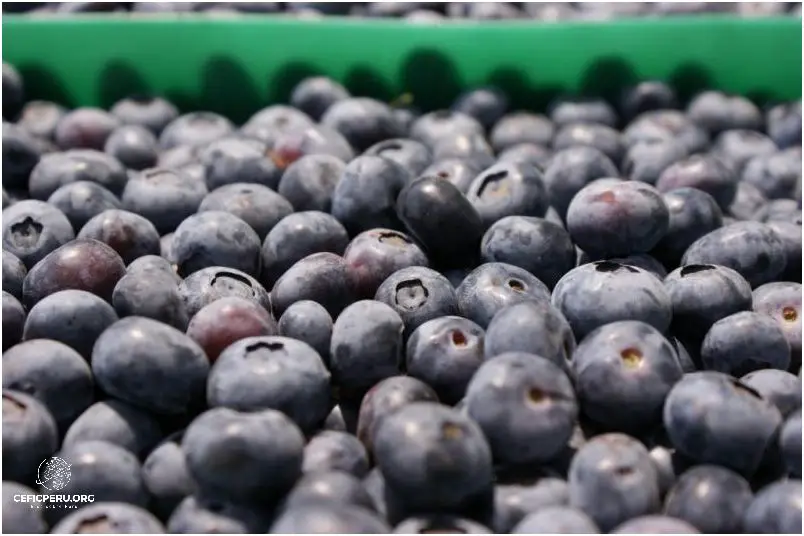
425	12
345	316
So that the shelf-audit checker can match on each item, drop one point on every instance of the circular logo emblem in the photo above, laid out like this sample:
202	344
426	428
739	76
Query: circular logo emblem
53	474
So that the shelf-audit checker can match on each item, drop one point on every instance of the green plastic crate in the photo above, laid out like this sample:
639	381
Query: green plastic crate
237	65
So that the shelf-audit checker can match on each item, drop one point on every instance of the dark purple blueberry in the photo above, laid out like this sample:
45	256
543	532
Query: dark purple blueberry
165	197
205	286
784	124
308	322
270	123
776	508
14	272
780	388
14	91
790	444
748	201
85	128
645	97
153	113
309	182
567	111
21	154
81	201
716	111
703	172
362	121
13	320
196	128
322	277
412	155
129	234
40	118
335	451
443	124
745	342
110	517
33	229
376	254
508	189
667	125
312	139
782	302
232	160
486	104
538	156
459	172
29	436
572	169
514	502
316	94
776	175
471	146
693	214
521	127
203	514
151	294
320	518
166	476
134	146
646	160
598	136
737	147
257	205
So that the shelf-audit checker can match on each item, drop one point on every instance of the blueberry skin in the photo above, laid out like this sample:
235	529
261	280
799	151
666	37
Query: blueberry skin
790	444
32	229
717	511
329	519
257	205
312	139
534	327
54	374
166	197
778	387
21	153
85	128
271	122
316	94
80	201
233	160
655	524
645	97
779	210
309	322
745	342
196	129
556	520
459	171
646	160
278	373
443	124
433	457
366	345
444	524
30	435
376	254
495	285
525	406
572	169
667	125
437	214
153	113
134	146
205	286
150	365
166	476
321	277
782	302
362	121
521	127
244	456
118	423
693	214
512	503
486	104
776	175
716	111
14	272
711	417
508	189
748	200
412	155
309	182
784	124
775	509
612	479
199	514
366	192
13	320
598	136
445	353
112	517
704	172
539	246
129	234
152	295
14	90
623	372
39	118
594	111
527	153
386	398
335	451
328	487
16	518
73	317
737	147
598	293
148	264
753	249
644	261
610	219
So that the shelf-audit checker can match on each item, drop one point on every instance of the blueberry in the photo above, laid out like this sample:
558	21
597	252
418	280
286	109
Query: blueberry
598	293
775	509
21	154
458	171
134	146
81	201
745	342
418	294
667	125
40	118
644	261
322	277
73	317
790	444
243	456
14	90
508	189
181	157
309	182
706	173
152	295
778	387
693	214
646	160
376	254
166	476
312	139
258	373
308	322
790	235
483	11
205	286
612	479
571	110
196	128
29	436
110	517
362	121
434	458
556	520
436	213
469	146
270	123
747	201
716	111
779	210
655	524
486	104
129	234
777	175
329	519
784	124
13	320
199	514
328	487
153	113
226	321
521	127
150	365
16	517
433	524
33	229
215	238
82	264
117	423
85	128
152	264
335	451
14	272
54	374
753	249
443	124
617	218
645	97
315	95
513	502
782	302
598	136
737	147
365	195
165	197
711	417
445	353
525	406
572	169
538	156
412	155
231	160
